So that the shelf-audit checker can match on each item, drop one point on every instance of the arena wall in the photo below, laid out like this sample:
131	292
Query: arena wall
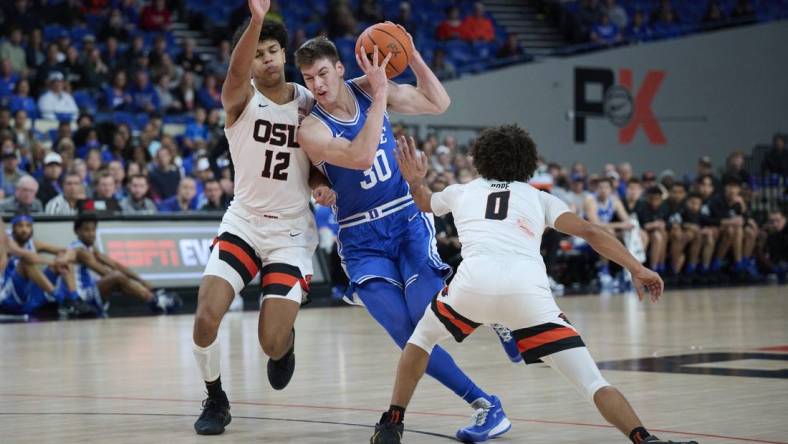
667	102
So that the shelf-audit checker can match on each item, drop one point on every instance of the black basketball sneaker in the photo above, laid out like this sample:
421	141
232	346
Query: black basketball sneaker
280	371
386	432
215	416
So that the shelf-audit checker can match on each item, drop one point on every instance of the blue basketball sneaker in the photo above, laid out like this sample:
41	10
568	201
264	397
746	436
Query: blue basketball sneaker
508	342
489	421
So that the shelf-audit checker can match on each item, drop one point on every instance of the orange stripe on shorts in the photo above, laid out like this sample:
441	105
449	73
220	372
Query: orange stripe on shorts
545	338
465	328
239	254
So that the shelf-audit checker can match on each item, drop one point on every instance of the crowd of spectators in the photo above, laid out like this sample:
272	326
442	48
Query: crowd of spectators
613	22
703	227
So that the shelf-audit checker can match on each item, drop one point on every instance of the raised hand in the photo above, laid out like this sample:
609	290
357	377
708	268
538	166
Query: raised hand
259	8
325	196
375	71
643	277
412	163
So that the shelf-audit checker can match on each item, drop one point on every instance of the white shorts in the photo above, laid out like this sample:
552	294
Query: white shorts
499	291
278	248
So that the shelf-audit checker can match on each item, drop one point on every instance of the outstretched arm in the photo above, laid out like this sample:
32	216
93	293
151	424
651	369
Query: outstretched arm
427	97
236	90
321	145
609	247
413	167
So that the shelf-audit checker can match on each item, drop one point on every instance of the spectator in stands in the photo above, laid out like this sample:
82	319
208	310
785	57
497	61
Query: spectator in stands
692	223
187	93
714	17
116	97
195	137
215	199
136	52
188	58
587	15
184	199
665	25
578	198
23	199
22	130
737	231
118	173
113	57
24	14
477	27
776	161
96	71
104	193
369	11
605	32
156	16
35	52
5	121
130	11
673	209
21	99
651	217
633	194
340	21
164	175
137	202
406	18
618	15
13	50
73	69
65	203
451	27
710	230
649	179
441	66
510	48
10	172
743	11
57	100
776	251
8	79
221	63
210	95
167	100
68	13
157	53
143	95
734	169
115	27
171	70
49	185
638	30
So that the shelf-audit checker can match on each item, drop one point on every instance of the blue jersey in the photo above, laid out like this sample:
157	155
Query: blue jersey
19	294
360	191
87	290
605	211
382	234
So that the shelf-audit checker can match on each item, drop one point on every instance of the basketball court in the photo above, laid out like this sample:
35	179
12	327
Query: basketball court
709	365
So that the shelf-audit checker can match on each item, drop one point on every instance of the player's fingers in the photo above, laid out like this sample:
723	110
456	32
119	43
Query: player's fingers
638	288
375	56
386	60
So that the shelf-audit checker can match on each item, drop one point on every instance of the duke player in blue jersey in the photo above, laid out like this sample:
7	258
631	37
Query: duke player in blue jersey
387	245
25	287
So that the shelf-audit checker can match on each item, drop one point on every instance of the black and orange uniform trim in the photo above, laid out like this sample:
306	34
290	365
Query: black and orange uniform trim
277	279
458	325
546	339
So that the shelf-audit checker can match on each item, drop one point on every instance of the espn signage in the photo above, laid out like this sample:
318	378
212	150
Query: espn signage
162	252
626	103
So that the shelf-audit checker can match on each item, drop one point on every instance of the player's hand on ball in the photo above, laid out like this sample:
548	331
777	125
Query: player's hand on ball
410	37
259	8
412	163
375	71
643	277
324	196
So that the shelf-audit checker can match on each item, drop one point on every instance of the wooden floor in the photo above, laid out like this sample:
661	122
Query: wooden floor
133	380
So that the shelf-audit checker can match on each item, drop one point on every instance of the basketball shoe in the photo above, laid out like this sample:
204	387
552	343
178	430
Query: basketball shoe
654	440
215	415
508	342
488	421
280	371
387	432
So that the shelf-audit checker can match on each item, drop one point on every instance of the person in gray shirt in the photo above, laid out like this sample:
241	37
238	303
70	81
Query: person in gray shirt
65	203
136	202
24	198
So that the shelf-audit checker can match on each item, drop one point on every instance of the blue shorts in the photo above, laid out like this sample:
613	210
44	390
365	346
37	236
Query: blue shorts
393	248
20	295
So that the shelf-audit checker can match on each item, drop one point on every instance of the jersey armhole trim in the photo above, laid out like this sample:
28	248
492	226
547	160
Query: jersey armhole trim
245	110
331	131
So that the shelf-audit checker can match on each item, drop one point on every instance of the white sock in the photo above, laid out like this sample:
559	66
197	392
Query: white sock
208	360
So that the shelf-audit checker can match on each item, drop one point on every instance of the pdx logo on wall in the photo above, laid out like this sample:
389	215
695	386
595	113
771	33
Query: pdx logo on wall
624	104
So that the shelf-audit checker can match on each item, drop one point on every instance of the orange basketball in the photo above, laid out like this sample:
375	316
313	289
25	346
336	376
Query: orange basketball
389	38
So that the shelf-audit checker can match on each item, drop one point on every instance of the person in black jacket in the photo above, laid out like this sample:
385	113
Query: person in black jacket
652	218
738	231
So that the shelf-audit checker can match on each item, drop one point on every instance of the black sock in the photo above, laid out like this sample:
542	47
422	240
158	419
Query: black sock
395	415
215	388
638	434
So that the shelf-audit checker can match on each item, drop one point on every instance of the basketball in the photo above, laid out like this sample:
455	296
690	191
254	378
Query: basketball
389	38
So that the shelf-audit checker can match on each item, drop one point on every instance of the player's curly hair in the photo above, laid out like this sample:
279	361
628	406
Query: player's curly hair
272	29
506	153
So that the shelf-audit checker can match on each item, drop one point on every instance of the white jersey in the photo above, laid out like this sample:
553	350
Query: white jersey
499	218
271	170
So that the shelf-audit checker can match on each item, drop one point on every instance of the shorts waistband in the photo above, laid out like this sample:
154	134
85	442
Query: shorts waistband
377	212
237	205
